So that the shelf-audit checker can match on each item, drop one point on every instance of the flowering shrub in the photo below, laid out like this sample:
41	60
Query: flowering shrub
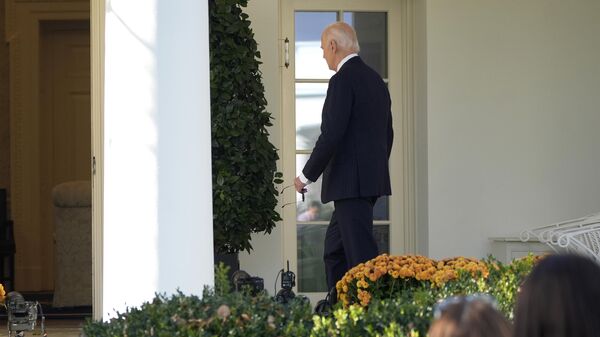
504	280
410	285
400	292
382	319
2	293
386	276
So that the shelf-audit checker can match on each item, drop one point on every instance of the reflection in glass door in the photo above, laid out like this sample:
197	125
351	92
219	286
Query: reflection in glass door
310	87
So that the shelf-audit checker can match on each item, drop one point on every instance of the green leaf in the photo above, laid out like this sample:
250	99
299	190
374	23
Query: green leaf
244	161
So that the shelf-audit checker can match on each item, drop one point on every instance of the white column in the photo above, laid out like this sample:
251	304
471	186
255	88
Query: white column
157	228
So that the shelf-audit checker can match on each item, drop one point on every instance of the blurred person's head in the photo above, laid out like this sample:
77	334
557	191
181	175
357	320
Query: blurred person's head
314	208
561	297
469	316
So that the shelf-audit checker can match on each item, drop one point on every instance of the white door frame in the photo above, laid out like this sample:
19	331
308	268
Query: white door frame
401	66
97	14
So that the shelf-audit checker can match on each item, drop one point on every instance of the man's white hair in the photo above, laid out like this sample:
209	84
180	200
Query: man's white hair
344	36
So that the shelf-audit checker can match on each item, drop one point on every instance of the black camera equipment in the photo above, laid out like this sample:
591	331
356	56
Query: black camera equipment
288	281
243	281
288	278
325	307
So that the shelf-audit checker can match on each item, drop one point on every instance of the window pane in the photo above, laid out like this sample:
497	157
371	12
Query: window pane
311	269
308	53
311	209
309	105
371	30
381	209
382	237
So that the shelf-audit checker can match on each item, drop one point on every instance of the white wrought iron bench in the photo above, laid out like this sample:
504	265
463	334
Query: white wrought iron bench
581	236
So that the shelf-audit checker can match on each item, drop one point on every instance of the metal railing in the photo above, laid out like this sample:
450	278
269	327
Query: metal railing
581	236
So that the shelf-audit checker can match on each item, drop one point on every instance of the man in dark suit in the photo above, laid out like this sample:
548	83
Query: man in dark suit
352	152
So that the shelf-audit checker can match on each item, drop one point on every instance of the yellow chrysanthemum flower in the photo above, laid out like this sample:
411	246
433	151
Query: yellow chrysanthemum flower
2	293
384	269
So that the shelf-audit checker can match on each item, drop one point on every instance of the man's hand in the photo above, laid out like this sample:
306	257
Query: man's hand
300	186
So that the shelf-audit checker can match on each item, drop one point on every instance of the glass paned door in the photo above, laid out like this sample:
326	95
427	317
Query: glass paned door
310	87
311	270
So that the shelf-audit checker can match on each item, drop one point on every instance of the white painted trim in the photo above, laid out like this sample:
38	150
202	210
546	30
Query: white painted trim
97	13
406	156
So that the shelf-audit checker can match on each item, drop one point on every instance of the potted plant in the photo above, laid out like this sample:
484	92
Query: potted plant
244	169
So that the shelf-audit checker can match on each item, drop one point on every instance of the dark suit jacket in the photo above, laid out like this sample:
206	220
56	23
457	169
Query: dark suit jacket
356	136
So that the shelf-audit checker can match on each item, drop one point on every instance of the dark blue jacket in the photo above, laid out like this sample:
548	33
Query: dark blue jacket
356	138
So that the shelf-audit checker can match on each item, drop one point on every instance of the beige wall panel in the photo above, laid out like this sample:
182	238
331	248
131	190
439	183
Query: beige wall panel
4	113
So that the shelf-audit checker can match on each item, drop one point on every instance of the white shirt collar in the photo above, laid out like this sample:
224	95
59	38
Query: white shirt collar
344	61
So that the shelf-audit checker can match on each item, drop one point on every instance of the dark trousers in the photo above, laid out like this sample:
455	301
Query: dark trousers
349	239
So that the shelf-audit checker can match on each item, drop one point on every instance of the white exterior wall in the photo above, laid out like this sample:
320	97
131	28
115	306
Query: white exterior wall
267	257
513	115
